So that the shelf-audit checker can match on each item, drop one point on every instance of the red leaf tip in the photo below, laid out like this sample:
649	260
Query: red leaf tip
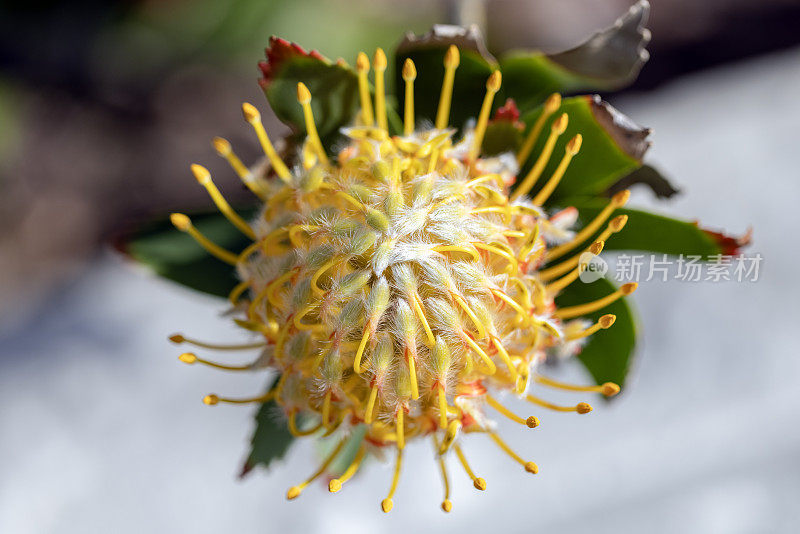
278	51
730	245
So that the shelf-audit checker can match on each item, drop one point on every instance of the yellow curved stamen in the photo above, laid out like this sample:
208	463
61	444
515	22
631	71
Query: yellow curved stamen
582	309
409	75
551	105
451	61
249	250
362	66
505	211
581	407
304	98
442	405
558	127
608	389
296	432
416	303
360	351
212	399
337	483
478	482
603	323
373	394
180	338
501	350
572	148
446	504
352	200
526	294
253	116
191	358
294	230
522	316
471	314
223	148
494	177
530	467
387	503
492	368
203	177
457	248
513	266
379	65
272	298
295	491
556	286
617	201
492	86
523	378
184	224
530	422
300	325
236	293
322	270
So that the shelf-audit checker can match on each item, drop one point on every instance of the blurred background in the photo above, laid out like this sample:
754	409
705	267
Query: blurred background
104	104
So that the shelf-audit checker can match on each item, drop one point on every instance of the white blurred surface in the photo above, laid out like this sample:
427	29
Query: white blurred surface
102	429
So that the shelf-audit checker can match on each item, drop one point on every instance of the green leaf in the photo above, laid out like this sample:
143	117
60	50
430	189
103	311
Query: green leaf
608	353
651	232
613	147
501	136
608	60
333	87
427	52
271	439
178	257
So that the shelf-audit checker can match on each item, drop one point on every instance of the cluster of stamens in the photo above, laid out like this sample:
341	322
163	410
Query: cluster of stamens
397	284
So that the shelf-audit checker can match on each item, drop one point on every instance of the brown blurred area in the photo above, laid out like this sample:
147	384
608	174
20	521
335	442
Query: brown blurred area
103	105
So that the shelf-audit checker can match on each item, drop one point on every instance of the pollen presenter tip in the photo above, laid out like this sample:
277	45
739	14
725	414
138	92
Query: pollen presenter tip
447	505
293	493
210	400
480	484
583	408
222	146
606	321
628	288
334	485
251	114
180	221
409	71
177	338
387	505
532	421
200	173
188	357
303	94
609	389
531	467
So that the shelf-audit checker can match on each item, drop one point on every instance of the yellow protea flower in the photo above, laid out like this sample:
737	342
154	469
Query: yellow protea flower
396	284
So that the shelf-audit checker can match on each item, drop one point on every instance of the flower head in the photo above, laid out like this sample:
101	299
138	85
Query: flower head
396	284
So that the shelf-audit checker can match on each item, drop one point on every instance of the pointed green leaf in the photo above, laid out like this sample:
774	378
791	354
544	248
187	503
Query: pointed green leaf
609	353
176	256
608	60
271	438
613	147
333	87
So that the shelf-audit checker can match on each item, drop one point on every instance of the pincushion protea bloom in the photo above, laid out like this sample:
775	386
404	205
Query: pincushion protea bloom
396	286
